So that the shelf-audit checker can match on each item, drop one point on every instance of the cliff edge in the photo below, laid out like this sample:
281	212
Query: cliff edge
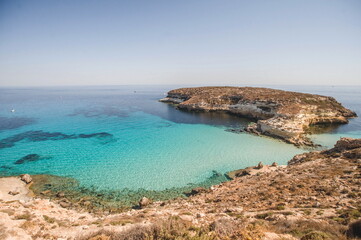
280	114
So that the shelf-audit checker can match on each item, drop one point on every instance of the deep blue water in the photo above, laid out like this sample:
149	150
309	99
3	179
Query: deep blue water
120	137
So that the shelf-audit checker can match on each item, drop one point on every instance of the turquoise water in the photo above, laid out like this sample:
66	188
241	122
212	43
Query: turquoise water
113	138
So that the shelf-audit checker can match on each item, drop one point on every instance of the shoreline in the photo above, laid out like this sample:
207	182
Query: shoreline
71	194
316	193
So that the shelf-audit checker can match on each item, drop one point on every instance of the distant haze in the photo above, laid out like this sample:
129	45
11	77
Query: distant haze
202	42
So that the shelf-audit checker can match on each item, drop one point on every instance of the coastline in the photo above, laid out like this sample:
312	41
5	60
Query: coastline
315	189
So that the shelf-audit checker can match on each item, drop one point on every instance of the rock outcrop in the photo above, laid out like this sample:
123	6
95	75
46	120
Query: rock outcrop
281	114
345	147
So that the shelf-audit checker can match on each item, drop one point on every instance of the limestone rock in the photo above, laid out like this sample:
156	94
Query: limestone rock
259	166
144	202
26	178
60	194
64	204
348	143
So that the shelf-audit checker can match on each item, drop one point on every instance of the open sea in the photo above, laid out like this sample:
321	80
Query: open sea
121	137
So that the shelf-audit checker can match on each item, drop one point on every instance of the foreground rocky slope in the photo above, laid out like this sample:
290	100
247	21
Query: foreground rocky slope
317	196
280	114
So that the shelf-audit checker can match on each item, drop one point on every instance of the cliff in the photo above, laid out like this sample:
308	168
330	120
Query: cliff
281	114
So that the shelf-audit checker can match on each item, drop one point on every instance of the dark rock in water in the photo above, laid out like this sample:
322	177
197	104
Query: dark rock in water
14	122
6	167
97	135
232	130
38	136
28	158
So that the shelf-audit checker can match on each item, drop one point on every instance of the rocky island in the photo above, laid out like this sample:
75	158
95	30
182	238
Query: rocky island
280	114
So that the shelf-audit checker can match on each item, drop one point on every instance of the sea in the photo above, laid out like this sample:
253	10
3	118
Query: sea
122	137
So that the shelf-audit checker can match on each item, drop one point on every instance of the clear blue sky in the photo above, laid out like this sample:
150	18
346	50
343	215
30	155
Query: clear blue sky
203	42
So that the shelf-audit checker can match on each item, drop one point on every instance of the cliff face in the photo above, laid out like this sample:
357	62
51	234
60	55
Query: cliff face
280	114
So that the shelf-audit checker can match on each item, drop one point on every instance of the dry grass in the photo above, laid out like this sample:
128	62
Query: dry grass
25	216
302	228
175	228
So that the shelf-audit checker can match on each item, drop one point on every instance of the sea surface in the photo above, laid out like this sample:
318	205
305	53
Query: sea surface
121	137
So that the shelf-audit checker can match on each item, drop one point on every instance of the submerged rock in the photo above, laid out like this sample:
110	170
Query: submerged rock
38	136
28	158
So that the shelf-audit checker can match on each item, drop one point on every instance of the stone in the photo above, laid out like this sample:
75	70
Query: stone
14	192
260	165
87	203
46	192
60	194
274	164
26	178
243	173
198	190
144	202
64	204
348	143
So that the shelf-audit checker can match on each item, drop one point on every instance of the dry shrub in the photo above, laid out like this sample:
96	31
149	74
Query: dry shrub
175	228
301	228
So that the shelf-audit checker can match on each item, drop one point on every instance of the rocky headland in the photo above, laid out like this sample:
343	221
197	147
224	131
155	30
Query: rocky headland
280	114
317	196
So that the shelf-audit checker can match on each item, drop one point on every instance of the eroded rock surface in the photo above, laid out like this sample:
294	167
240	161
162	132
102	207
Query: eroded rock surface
281	114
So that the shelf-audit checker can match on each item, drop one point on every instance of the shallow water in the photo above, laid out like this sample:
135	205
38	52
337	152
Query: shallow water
113	138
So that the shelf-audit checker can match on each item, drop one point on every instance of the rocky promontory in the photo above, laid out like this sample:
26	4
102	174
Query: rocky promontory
280	114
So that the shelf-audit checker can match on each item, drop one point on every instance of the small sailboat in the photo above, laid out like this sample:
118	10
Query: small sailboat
12	110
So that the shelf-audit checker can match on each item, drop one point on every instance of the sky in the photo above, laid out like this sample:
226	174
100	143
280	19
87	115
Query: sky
195	42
